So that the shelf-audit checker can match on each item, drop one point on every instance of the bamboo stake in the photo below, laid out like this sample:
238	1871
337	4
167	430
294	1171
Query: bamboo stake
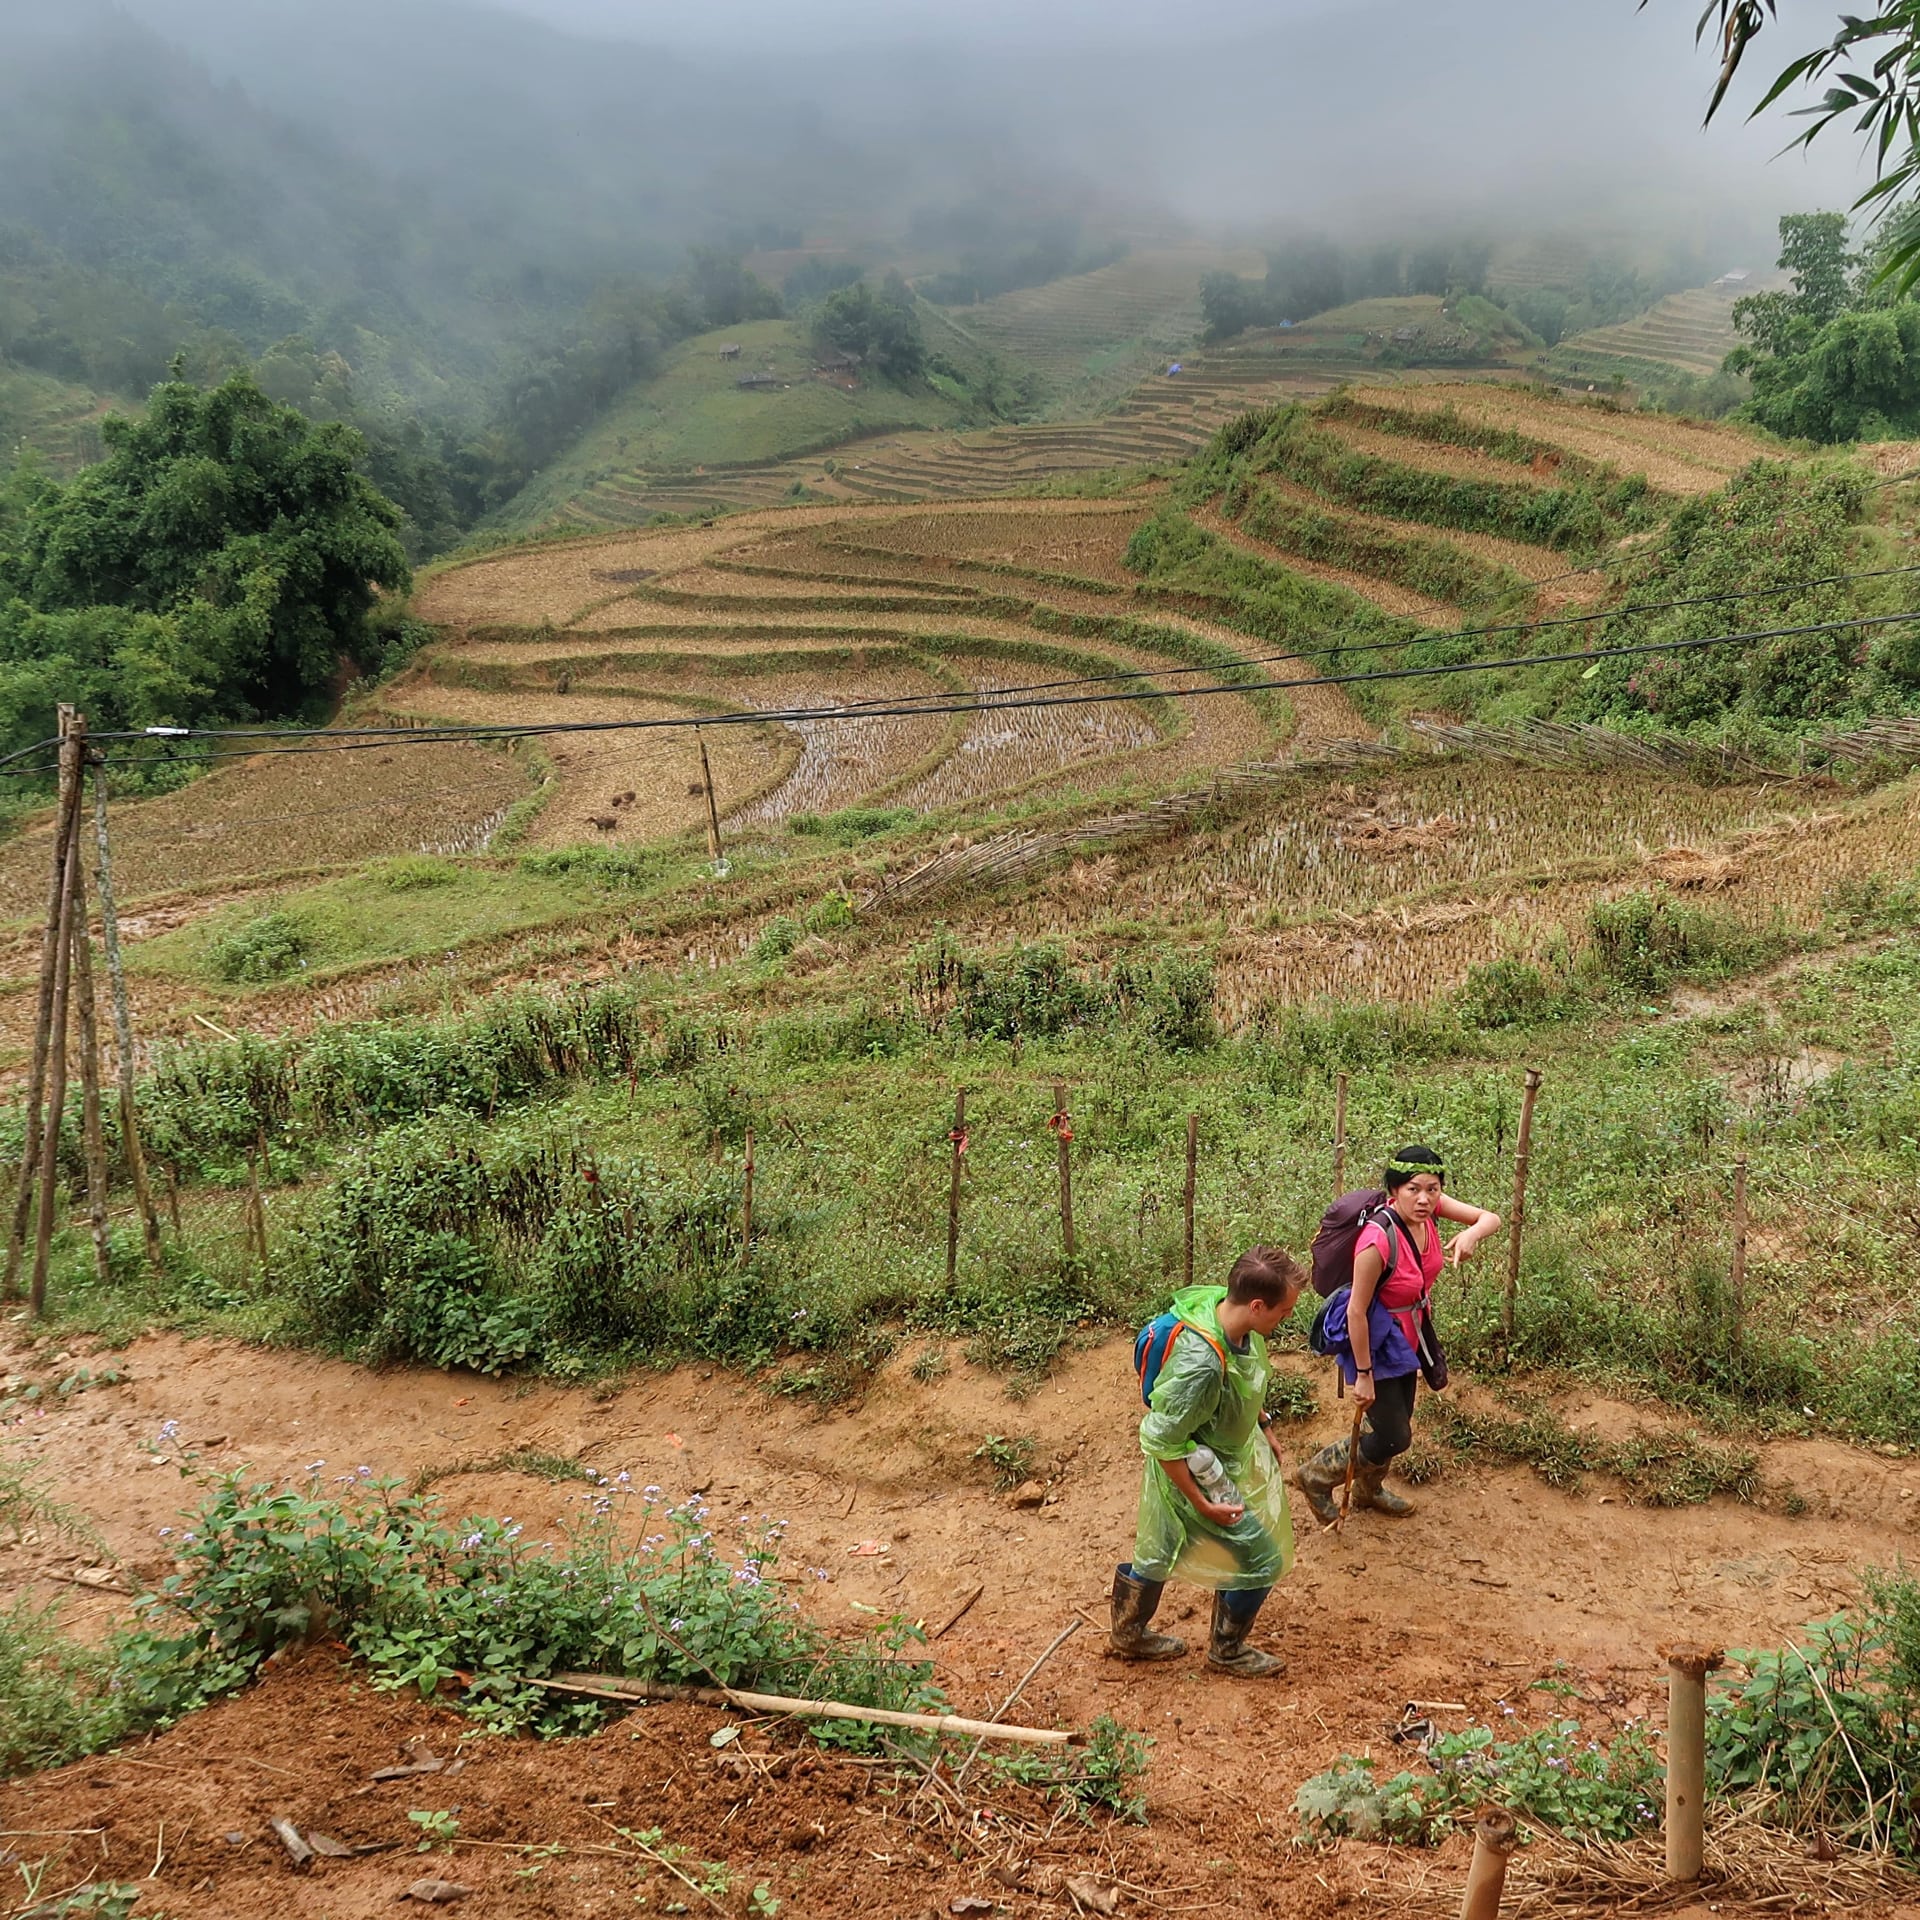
1493	1841
122	1020
92	1140
959	1139
1339	1135
1353	1462
1062	1125
1687	1670
64	824
746	1205
1737	1276
56	1044
713	811
609	1686
1521	1148
1193	1161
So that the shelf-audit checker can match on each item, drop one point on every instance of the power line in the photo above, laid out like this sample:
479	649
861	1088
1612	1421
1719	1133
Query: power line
977	704
343	739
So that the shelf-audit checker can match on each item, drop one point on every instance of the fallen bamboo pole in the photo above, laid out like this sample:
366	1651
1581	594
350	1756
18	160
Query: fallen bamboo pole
604	1686
122	1020
1493	1842
1687	1670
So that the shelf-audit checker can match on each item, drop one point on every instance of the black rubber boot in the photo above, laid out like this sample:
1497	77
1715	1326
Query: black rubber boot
1321	1478
1233	1617
1134	1600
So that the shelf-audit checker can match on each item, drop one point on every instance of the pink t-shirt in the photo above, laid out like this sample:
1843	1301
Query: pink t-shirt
1409	1284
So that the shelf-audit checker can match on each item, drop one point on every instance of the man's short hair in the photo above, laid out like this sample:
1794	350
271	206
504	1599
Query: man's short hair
1264	1276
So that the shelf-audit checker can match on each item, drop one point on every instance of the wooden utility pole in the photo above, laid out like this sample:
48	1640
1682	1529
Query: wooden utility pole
1339	1135
1521	1147
958	1137
64	827
713	809
1193	1162
122	1020
1062	1126
73	747
93	1141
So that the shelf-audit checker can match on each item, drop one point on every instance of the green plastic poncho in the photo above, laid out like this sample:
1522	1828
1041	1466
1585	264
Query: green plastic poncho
1195	1404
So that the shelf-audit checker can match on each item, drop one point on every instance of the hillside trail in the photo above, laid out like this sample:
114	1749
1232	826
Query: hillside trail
1495	1585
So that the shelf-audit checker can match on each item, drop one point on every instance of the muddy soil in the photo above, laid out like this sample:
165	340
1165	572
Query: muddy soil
1496	1583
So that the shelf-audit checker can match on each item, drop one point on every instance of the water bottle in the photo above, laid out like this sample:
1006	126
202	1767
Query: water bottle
1211	1477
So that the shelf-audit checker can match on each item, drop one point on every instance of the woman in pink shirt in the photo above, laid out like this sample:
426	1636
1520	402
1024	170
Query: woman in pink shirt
1379	1329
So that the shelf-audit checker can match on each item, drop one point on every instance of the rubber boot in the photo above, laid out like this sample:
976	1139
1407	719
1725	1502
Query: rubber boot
1134	1600
1233	1617
1321	1477
1370	1489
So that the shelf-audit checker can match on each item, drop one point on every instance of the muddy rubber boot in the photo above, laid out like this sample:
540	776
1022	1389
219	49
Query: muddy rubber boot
1370	1489
1134	1600
1321	1477
1233	1617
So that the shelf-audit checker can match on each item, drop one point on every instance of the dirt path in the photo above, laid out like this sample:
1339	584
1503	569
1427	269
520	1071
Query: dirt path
1582	1586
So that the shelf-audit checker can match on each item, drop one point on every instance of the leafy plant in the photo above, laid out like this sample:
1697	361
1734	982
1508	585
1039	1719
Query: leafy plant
438	1827
1556	1775
268	947
1009	1461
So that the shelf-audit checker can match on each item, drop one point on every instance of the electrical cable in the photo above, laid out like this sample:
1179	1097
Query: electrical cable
357	742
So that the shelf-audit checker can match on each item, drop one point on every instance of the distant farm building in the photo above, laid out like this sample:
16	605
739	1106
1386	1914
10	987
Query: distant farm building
833	360
1734	280
759	380
731	351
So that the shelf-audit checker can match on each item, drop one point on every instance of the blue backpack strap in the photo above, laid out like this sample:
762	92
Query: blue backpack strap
1155	1342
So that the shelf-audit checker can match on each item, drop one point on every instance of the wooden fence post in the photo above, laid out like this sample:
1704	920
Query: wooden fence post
64	828
1493	1842
958	1138
93	1142
122	1020
72	750
1339	1134
1522	1146
1193	1163
1737	1275
1687	1670
713	810
746	1205
1062	1126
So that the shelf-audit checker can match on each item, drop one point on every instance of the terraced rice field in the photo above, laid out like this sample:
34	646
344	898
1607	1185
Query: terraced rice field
1691	332
827	605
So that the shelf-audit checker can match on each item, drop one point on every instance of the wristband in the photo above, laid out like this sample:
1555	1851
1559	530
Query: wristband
1363	1369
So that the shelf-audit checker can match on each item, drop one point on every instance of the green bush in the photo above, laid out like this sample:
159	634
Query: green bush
270	947
1555	1775
475	1608
414	872
778	938
57	1698
1646	941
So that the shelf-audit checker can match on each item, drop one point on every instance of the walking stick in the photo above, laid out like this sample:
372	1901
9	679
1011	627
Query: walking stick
1353	1454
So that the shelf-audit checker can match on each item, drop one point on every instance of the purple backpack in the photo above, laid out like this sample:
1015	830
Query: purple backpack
1340	1229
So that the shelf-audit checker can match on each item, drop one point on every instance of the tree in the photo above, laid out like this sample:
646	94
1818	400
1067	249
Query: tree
726	293
879	325
1873	64
221	561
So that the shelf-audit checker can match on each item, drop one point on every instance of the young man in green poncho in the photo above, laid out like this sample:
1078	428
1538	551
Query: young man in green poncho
1211	1392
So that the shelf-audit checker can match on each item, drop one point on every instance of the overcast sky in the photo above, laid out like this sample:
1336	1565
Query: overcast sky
1249	106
